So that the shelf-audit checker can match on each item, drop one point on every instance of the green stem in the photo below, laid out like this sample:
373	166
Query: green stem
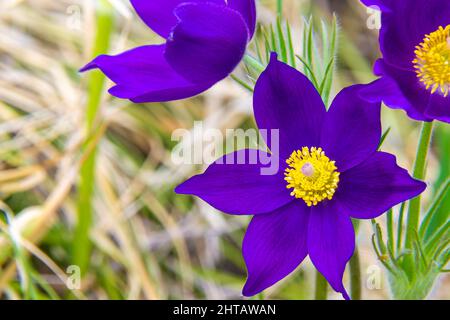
280	7
82	244
321	287
412	224
355	276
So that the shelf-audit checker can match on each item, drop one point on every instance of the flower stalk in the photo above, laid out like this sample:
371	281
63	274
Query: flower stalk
412	224
355	276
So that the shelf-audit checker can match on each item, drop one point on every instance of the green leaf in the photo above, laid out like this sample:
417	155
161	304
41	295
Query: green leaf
242	83
281	41
310	72
441	234
390	231
383	138
291	47
443	193
253	63
400	225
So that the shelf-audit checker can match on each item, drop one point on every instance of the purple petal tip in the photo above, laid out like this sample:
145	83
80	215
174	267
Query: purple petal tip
89	66
273	56
345	295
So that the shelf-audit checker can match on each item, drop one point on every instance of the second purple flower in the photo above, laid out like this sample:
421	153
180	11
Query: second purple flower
205	41
415	68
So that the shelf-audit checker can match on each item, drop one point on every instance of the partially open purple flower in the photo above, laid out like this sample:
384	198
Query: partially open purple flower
415	69
205	41
331	172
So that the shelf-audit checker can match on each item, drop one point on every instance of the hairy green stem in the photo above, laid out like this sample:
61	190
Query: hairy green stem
412	224
321	287
355	276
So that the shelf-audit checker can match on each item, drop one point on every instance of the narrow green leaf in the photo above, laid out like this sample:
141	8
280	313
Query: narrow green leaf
273	41
332	53
305	48
390	231
379	237
420	251
291	47
440	249
436	239
437	202
257	46
310	44
242	83
253	63
400	226
383	138
267	46
334	37
311	74
326	43
380	257
327	77
281	41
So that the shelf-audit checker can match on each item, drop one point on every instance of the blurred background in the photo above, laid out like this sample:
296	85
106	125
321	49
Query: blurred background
86	180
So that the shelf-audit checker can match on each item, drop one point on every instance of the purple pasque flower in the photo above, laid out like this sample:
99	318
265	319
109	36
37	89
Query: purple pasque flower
205	41
415	68
331	173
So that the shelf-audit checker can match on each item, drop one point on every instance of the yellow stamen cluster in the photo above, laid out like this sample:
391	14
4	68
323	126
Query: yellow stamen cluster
432	62
312	175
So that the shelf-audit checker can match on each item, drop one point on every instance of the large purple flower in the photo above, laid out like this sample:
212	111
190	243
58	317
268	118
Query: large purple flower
330	172
415	69
205	41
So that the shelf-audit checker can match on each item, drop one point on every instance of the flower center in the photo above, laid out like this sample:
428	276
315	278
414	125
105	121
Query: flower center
312	175
432	62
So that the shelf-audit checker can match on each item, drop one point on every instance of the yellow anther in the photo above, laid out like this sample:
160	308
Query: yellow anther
312	175
432	62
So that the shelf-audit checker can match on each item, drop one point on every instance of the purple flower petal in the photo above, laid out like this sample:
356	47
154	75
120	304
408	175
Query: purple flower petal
382	4
285	99
438	108
247	8
274	245
405	25
158	14
143	75
239	188
331	242
376	185
352	129
398	89
387	90
208	42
